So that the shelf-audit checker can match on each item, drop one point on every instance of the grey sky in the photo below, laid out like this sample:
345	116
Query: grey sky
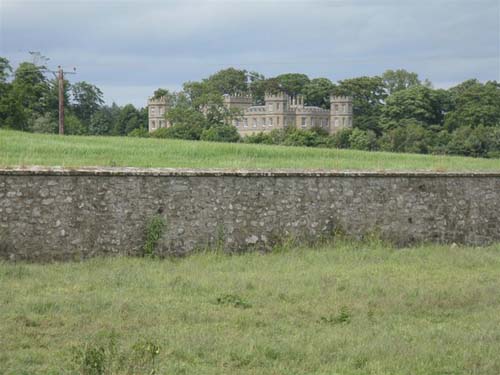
130	48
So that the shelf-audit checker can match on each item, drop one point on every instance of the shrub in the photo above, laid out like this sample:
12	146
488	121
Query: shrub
154	231
139	132
221	133
178	131
363	139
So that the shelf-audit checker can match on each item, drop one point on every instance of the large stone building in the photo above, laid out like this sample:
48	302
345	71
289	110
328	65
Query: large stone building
279	111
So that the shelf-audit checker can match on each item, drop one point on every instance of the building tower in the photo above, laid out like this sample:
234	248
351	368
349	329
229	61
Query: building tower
340	113
275	108
157	107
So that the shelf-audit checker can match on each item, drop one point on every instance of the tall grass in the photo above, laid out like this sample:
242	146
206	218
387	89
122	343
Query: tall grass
24	149
346	308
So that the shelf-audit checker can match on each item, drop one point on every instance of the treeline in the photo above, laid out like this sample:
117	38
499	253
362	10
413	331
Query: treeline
29	102
396	111
393	112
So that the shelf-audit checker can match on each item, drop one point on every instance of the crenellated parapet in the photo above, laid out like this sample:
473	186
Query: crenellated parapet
280	96
340	99
158	101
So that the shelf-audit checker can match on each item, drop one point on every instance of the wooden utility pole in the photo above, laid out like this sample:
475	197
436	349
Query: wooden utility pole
60	77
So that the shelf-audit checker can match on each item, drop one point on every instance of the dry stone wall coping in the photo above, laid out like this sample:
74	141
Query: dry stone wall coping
184	172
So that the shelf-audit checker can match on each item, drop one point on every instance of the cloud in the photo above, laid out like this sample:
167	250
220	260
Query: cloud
149	44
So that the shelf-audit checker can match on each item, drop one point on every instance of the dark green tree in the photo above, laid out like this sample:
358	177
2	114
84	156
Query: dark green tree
128	120
317	92
369	95
87	100
474	104
417	103
293	83
400	79
220	133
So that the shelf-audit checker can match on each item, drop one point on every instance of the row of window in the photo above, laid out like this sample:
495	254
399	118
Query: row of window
270	122
344	107
152	111
262	121
344	121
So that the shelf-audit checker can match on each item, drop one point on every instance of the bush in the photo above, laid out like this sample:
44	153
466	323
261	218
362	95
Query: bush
221	133
306	138
139	132
45	124
154	231
340	139
179	131
363	140
412	138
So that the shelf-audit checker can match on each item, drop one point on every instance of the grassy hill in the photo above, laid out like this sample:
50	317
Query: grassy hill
24	149
344	308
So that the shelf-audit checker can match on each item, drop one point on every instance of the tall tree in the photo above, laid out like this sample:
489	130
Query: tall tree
368	95
228	81
31	90
317	92
87	99
293	83
400	79
474	104
416	103
5	69
128	120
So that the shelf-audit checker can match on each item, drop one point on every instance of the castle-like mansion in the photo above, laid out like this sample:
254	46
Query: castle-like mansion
279	111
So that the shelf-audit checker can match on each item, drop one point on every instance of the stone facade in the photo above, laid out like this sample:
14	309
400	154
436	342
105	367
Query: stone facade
279	110
60	214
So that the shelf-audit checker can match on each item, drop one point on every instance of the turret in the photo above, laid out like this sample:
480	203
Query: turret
239	101
157	107
276	103
341	113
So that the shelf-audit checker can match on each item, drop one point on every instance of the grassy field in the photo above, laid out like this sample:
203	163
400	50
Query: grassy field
342	308
24	149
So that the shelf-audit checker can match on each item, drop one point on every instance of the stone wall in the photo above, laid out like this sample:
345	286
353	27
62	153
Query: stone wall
58	214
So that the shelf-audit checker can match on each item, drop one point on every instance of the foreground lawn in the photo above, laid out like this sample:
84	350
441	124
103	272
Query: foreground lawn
344	308
24	149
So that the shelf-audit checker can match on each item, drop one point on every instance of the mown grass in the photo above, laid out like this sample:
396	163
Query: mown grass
342	308
25	149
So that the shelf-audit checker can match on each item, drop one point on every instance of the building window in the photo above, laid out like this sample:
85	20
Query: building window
152	110
336	122
153	124
245	123
336	107
270	107
277	121
162	111
254	122
162	123
236	123
344	108
277	106
270	121
304	122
